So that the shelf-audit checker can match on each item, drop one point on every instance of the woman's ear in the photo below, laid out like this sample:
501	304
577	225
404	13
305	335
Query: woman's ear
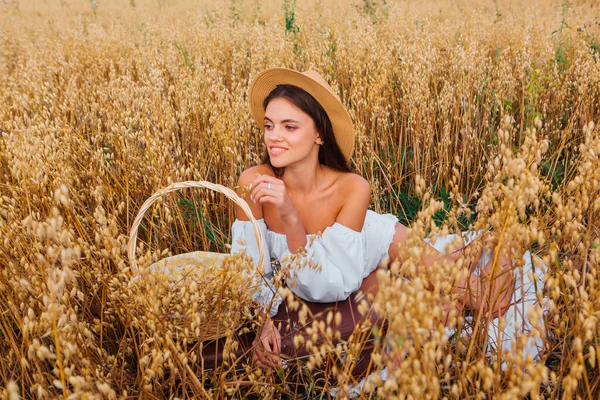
319	141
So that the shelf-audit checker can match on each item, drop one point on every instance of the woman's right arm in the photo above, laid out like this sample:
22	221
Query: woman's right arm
266	189
267	344
242	231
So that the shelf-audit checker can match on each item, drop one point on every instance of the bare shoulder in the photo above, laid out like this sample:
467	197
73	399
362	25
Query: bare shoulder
249	174
355	185
243	190
356	193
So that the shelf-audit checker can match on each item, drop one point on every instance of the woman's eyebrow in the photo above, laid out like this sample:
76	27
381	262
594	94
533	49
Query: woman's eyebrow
285	121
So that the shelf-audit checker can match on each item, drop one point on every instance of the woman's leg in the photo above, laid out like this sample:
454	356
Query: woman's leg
492	290
369	285
529	279
493	287
496	281
399	240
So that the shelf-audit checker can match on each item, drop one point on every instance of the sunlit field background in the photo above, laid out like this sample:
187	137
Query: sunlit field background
469	115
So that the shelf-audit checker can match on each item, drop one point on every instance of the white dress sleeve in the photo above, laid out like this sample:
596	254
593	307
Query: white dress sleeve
332	268
244	239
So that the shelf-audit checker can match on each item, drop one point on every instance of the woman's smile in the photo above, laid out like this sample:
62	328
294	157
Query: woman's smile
274	150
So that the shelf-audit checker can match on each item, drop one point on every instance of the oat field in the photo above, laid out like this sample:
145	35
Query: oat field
469	115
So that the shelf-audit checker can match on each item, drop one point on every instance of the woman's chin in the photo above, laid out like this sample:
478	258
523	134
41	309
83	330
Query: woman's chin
277	163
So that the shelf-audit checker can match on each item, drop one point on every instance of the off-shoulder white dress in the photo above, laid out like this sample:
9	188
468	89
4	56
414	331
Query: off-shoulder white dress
345	257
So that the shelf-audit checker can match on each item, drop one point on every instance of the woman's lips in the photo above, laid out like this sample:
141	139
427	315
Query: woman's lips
277	150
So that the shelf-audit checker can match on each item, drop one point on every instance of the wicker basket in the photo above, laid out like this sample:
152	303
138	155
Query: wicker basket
184	266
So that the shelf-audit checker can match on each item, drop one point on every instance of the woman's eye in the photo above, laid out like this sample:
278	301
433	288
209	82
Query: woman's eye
268	126
290	127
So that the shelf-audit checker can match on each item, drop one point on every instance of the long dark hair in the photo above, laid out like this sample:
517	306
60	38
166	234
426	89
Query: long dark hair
329	153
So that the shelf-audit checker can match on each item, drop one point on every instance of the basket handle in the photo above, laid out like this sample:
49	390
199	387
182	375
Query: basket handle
193	184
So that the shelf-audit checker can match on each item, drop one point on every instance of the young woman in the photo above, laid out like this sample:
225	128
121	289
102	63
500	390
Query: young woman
304	187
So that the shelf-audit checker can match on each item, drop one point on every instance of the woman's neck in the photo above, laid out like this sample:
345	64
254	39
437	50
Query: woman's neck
303	179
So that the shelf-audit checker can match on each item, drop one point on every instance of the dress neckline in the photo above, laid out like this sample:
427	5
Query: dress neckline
334	226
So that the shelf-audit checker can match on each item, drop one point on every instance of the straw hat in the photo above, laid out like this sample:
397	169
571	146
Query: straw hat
317	87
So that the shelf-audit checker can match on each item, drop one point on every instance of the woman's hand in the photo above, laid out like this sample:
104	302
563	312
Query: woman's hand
268	189
267	346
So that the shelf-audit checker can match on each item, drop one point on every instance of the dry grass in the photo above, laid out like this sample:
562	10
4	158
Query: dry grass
482	110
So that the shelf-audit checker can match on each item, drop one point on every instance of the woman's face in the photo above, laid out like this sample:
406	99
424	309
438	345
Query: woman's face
290	134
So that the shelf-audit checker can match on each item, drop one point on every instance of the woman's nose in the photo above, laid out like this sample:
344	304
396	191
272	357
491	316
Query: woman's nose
274	134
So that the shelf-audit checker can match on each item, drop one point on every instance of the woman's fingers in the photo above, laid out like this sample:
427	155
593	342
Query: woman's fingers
268	189
275	341
260	356
266	199
267	346
265	185
265	181
277	345
278	338
272	349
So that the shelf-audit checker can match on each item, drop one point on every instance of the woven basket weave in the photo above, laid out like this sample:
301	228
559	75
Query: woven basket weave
180	267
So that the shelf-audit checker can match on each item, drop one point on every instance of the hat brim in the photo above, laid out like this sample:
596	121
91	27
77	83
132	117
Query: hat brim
266	81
